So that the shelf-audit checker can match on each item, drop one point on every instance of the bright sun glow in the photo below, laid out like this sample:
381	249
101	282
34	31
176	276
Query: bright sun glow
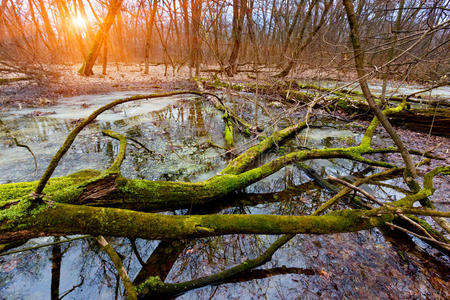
79	21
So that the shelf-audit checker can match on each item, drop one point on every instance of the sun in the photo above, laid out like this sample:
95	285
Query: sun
79	21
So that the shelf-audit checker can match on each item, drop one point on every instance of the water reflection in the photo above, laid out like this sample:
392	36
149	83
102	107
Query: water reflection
351	265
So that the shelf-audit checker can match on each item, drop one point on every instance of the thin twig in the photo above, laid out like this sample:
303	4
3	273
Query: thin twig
417	225
366	194
444	245
45	245
11	136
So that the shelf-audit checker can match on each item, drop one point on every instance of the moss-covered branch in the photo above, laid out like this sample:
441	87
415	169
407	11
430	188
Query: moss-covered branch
66	219
218	104
427	190
228	130
113	190
115	167
242	162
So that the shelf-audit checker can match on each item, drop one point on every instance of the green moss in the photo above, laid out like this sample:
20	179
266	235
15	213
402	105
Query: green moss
300	96
153	283
23	208
354	92
262	137
240	163
11	191
301	85
228	131
237	87
253	87
115	167
345	105
428	227
19	202
228	136
217	83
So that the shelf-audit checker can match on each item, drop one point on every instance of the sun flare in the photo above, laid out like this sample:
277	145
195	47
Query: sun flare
79	21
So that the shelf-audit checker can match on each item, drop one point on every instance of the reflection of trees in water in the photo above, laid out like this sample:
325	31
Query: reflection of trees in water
289	191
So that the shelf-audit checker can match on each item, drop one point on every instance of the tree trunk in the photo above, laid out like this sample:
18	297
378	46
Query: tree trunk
359	63
251	31
187	37
196	41
105	56
86	68
392	50
48	27
65	219
239	11
36	24
148	36
301	43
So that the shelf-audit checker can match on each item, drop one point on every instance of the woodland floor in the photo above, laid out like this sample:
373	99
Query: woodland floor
119	77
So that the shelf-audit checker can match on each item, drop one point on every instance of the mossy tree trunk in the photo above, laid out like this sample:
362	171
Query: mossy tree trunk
359	63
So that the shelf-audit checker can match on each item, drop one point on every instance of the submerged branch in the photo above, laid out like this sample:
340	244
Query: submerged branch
117	261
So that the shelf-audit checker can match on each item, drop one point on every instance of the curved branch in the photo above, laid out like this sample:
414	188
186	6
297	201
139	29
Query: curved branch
115	167
73	134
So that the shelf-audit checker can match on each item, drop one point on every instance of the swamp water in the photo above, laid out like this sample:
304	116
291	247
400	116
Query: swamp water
177	130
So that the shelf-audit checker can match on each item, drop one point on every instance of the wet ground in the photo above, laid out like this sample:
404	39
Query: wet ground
176	130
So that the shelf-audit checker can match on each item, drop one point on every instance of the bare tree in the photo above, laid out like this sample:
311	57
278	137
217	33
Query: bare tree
86	68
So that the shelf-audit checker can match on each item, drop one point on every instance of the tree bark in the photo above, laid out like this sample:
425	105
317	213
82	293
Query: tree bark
105	56
86	68
196	6
239	11
66	219
48	27
148	36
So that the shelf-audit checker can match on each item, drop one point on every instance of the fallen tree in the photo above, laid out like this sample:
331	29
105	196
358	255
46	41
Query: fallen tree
106	203
432	116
